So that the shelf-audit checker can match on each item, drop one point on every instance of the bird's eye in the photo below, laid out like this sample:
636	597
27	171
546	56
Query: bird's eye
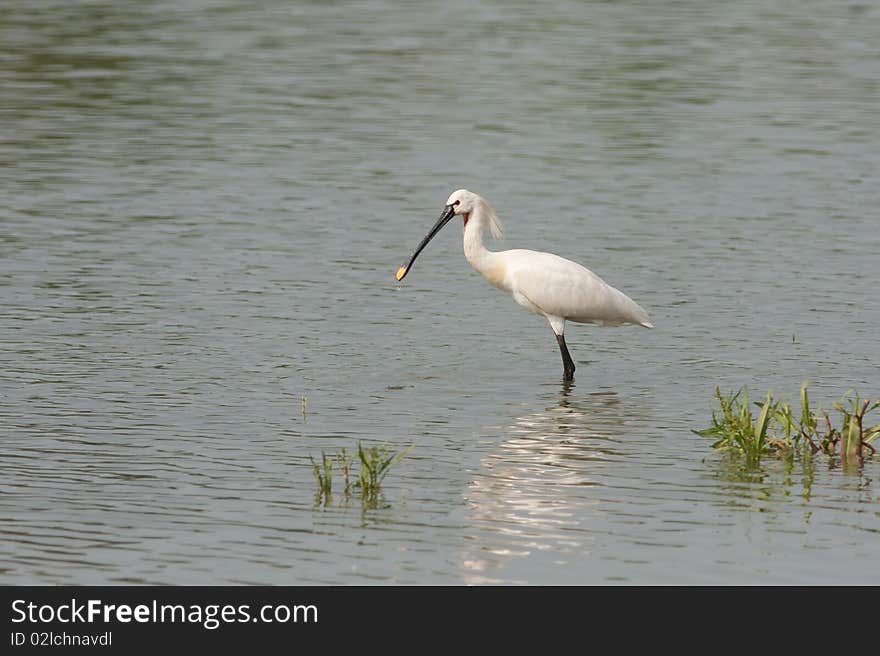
458	202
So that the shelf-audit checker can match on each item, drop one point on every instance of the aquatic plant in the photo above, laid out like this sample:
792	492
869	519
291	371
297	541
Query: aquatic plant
853	437
345	466
736	428
777	432
374	464
323	474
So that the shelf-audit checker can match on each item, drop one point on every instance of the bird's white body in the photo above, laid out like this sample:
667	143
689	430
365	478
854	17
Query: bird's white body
546	284
558	289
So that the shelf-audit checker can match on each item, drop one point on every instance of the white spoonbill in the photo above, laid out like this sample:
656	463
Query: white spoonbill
543	283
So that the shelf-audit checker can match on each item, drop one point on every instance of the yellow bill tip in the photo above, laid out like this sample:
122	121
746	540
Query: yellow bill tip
401	272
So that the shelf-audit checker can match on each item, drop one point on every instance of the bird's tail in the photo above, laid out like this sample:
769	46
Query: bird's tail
638	315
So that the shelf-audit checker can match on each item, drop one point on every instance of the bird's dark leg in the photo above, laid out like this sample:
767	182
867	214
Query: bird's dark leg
567	362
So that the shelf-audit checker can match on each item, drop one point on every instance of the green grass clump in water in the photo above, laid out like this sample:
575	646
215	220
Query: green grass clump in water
736	428
853	436
375	463
345	466
776	432
323	474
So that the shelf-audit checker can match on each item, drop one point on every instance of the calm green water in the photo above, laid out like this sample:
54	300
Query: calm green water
202	206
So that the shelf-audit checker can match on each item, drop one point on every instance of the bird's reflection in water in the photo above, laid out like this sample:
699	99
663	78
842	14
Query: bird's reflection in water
536	490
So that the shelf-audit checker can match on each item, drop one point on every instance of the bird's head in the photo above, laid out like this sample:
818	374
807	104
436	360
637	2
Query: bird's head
462	203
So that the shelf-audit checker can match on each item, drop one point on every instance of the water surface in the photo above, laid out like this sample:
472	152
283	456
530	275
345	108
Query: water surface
202	207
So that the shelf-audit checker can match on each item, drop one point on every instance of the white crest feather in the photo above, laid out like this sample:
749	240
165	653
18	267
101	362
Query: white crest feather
495	227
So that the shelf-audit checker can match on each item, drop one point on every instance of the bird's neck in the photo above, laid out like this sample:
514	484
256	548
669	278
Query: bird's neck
477	255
